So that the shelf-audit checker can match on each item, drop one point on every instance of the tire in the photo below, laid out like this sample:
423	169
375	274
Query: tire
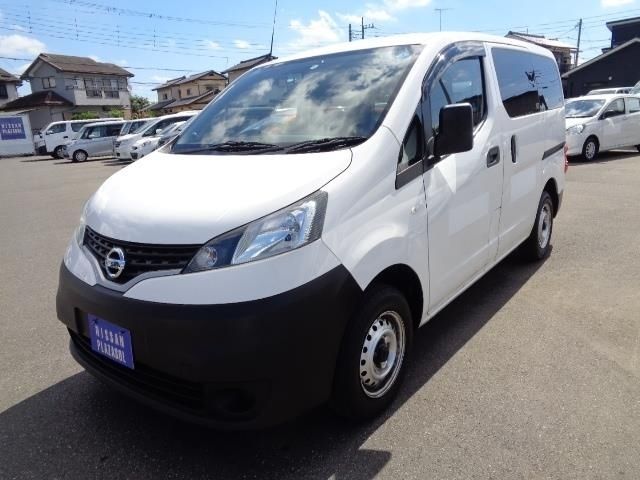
79	156
538	245
364	385
57	152
638	147
590	149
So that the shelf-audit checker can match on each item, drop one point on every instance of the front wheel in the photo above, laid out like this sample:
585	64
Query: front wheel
79	156
58	152
373	355
638	147
538	245
590	149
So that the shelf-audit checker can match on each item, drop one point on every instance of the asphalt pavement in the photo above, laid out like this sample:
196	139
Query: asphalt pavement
534	372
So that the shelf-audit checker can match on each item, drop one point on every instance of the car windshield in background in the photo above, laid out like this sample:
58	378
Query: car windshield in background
583	108
312	104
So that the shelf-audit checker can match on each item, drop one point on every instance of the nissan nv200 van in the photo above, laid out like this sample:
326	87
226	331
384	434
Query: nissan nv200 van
283	250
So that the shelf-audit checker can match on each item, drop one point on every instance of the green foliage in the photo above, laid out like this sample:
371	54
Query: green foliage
115	112
138	103
84	115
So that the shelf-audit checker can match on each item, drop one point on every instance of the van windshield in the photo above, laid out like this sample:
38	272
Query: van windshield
323	101
583	108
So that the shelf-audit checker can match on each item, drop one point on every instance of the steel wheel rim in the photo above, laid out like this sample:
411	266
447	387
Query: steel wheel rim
590	150
381	354
544	226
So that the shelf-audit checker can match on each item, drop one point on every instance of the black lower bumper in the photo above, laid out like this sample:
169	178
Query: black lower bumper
242	365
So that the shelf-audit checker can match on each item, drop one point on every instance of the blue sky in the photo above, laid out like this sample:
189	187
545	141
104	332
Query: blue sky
153	39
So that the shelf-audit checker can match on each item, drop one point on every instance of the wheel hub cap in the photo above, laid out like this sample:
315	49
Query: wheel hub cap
544	226
381	355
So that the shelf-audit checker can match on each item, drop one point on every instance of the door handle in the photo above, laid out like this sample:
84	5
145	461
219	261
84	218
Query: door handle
66	136
493	157
514	151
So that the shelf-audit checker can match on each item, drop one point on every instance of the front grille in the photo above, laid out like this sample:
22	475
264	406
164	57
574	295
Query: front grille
139	257
156	384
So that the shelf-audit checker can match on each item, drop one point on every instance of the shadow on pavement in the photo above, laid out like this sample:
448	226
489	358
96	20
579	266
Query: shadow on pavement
604	157
79	428
39	159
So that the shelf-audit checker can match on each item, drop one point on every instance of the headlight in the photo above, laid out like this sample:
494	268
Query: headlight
282	231
144	144
576	129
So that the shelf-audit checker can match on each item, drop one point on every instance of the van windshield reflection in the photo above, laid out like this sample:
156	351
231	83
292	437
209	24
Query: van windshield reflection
333	101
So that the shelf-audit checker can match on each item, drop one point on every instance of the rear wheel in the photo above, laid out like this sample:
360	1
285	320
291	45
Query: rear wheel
58	152
590	149
79	156
373	355
538	245
638	147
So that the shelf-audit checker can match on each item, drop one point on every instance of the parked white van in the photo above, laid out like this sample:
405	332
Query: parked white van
94	140
155	126
54	136
282	251
597	123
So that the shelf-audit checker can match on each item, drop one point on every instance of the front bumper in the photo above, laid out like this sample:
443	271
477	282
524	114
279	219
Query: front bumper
242	365
575	143
122	152
135	156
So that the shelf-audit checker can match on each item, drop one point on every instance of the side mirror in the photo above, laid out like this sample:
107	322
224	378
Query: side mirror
609	114
455	133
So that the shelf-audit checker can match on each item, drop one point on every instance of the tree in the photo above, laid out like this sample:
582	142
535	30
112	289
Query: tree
138	103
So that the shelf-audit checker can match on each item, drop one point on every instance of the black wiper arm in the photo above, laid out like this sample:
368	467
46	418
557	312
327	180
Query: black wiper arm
324	144
234	146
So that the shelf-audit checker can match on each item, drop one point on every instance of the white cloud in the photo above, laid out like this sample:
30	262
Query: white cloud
404	4
373	13
122	62
159	78
19	70
15	45
320	31
18	27
211	45
241	44
615	3
95	58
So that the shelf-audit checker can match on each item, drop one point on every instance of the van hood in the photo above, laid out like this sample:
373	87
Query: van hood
190	199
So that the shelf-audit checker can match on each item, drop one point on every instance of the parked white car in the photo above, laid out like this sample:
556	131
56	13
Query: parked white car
94	140
596	123
256	269
607	91
146	145
56	135
123	144
134	126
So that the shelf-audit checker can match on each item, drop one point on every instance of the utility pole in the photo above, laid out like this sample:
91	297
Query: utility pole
579	35
353	35
440	10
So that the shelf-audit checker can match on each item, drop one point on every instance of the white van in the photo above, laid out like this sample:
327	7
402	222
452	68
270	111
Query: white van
123	144
282	251
94	140
54	136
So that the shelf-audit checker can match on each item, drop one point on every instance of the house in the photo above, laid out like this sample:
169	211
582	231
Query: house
623	30
245	65
62	85
8	87
617	67
192	92
563	52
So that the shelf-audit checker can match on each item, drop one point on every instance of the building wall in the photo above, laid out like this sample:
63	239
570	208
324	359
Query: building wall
12	93
620	69
624	33
236	73
44	70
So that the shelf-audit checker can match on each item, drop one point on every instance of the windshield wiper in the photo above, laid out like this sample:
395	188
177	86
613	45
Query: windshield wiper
234	146
324	144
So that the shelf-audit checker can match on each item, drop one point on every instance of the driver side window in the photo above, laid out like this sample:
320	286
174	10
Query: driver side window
615	108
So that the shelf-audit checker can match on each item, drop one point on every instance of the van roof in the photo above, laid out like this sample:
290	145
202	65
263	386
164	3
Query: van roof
116	122
94	120
437	39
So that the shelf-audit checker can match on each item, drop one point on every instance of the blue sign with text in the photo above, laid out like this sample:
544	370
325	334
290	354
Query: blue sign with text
12	128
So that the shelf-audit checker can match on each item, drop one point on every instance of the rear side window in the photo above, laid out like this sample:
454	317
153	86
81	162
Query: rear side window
76	127
633	104
529	83
113	130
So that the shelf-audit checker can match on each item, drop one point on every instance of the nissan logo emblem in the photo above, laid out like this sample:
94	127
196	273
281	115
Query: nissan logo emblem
114	262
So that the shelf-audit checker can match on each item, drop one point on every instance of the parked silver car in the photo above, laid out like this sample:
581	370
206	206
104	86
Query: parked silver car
94	140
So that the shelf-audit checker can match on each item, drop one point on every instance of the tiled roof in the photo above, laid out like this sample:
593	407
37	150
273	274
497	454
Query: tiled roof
68	63
8	77
190	78
250	63
540	40
43	98
191	100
